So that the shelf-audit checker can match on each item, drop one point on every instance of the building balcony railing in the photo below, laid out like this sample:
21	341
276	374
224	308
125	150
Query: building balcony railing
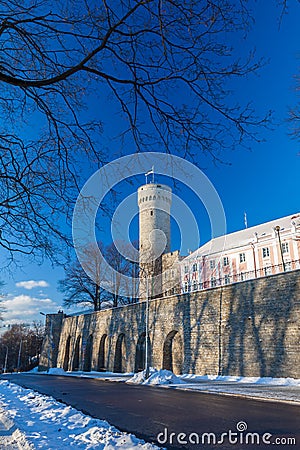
230	278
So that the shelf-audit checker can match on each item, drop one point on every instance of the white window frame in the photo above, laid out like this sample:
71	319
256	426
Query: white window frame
265	252
288	266
242	257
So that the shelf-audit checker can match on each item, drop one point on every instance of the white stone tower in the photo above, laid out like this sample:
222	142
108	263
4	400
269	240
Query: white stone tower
154	201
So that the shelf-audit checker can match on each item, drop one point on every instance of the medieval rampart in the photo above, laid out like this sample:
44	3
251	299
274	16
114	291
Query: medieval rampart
250	328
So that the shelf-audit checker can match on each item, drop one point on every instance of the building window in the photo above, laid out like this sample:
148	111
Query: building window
186	269
267	271
225	261
227	279
242	257
195	267
200	285
265	252
288	266
213	282
151	213
242	276
285	247
186	287
212	264
194	286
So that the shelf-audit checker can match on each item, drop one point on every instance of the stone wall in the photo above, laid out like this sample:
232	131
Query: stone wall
250	328
49	353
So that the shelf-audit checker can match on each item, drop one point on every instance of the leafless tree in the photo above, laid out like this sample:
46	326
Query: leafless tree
294	112
82	282
119	258
22	345
87	282
162	64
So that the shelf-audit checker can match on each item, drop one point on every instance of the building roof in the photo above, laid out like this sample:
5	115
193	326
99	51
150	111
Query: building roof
243	237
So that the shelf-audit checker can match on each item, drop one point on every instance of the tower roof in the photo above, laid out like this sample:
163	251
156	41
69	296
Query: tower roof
155	186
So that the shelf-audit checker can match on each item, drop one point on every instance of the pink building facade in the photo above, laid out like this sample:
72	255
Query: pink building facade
259	251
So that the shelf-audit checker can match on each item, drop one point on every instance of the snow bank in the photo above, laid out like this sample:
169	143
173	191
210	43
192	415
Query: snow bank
236	379
56	371
113	376
140	377
164	377
157	377
50	425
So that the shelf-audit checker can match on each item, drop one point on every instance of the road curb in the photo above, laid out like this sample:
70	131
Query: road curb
238	395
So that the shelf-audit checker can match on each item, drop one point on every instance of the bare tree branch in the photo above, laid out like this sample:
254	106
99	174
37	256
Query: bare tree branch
165	66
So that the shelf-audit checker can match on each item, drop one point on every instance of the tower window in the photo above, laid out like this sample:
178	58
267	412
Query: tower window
151	213
150	198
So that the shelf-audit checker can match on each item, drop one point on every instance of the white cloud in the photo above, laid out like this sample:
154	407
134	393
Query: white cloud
24	308
30	284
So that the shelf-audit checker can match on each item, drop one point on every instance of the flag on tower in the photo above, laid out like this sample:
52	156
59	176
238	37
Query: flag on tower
149	173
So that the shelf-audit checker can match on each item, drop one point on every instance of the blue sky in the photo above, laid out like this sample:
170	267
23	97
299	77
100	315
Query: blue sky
262	180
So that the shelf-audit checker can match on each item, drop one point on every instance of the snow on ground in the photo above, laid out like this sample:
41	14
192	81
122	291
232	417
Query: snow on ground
279	389
157	377
37	421
167	377
93	374
256	380
282	389
266	388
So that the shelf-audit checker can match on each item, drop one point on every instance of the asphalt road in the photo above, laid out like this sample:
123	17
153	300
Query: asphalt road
148	411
